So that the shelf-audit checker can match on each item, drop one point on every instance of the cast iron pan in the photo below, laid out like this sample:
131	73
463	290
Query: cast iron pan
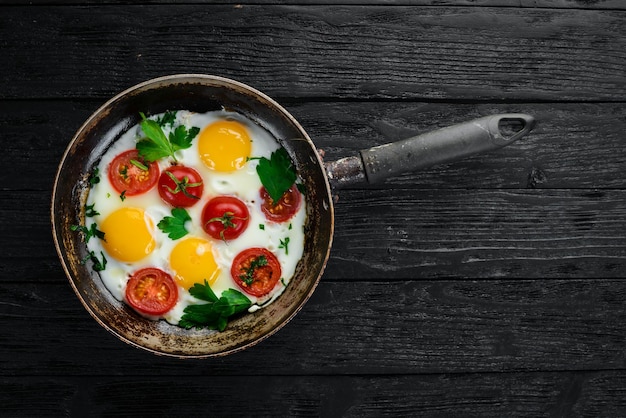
202	93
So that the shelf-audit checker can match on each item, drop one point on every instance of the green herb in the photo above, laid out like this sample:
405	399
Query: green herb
168	118
139	165
92	231
215	313
94	178
90	212
156	145
181	185
123	172
262	227
276	174
285	244
97	264
248	277
123	195
174	226
181	138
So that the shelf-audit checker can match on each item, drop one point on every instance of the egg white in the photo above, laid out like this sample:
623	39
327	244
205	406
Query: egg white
243	183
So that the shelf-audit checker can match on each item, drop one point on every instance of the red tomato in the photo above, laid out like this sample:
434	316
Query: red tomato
128	174
285	208
151	291
225	217
180	186
256	271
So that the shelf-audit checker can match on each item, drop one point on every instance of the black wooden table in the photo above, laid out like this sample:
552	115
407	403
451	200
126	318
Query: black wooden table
493	286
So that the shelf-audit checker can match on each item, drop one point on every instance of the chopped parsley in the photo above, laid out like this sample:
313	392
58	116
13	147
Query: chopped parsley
168	118
248	277
94	178
97	264
90	211
285	245
92	231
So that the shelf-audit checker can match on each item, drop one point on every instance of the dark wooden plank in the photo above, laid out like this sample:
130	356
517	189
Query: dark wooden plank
485	395
430	53
348	328
573	146
577	4
475	234
412	233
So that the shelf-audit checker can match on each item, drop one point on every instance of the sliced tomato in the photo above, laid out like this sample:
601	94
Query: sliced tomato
225	217
180	186
285	208
256	271
151	291
131	174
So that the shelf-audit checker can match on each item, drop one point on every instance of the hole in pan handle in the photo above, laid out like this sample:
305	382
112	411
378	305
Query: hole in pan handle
444	145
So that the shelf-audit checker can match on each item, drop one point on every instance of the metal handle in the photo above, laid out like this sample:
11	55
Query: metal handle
444	145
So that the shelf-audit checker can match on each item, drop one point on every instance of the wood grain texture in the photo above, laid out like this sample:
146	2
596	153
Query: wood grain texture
380	327
488	287
488	395
412	233
433	53
578	4
574	146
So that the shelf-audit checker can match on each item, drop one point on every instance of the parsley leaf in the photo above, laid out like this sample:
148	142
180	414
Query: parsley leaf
215	313
168	118
90	211
97	264
92	231
203	292
284	244
174	226
180	138
276	174
157	145
94	177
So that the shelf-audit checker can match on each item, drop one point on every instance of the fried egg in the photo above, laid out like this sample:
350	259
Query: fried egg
225	153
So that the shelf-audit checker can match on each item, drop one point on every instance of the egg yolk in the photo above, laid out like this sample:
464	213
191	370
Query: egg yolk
127	234
224	145
193	262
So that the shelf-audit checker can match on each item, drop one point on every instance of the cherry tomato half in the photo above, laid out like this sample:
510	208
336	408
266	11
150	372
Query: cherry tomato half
151	291
256	271
285	208
225	217
131	174
180	186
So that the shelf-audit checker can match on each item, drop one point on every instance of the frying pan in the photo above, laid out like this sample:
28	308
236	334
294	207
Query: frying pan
202	93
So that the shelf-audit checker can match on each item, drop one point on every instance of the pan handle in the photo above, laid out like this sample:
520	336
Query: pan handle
441	146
